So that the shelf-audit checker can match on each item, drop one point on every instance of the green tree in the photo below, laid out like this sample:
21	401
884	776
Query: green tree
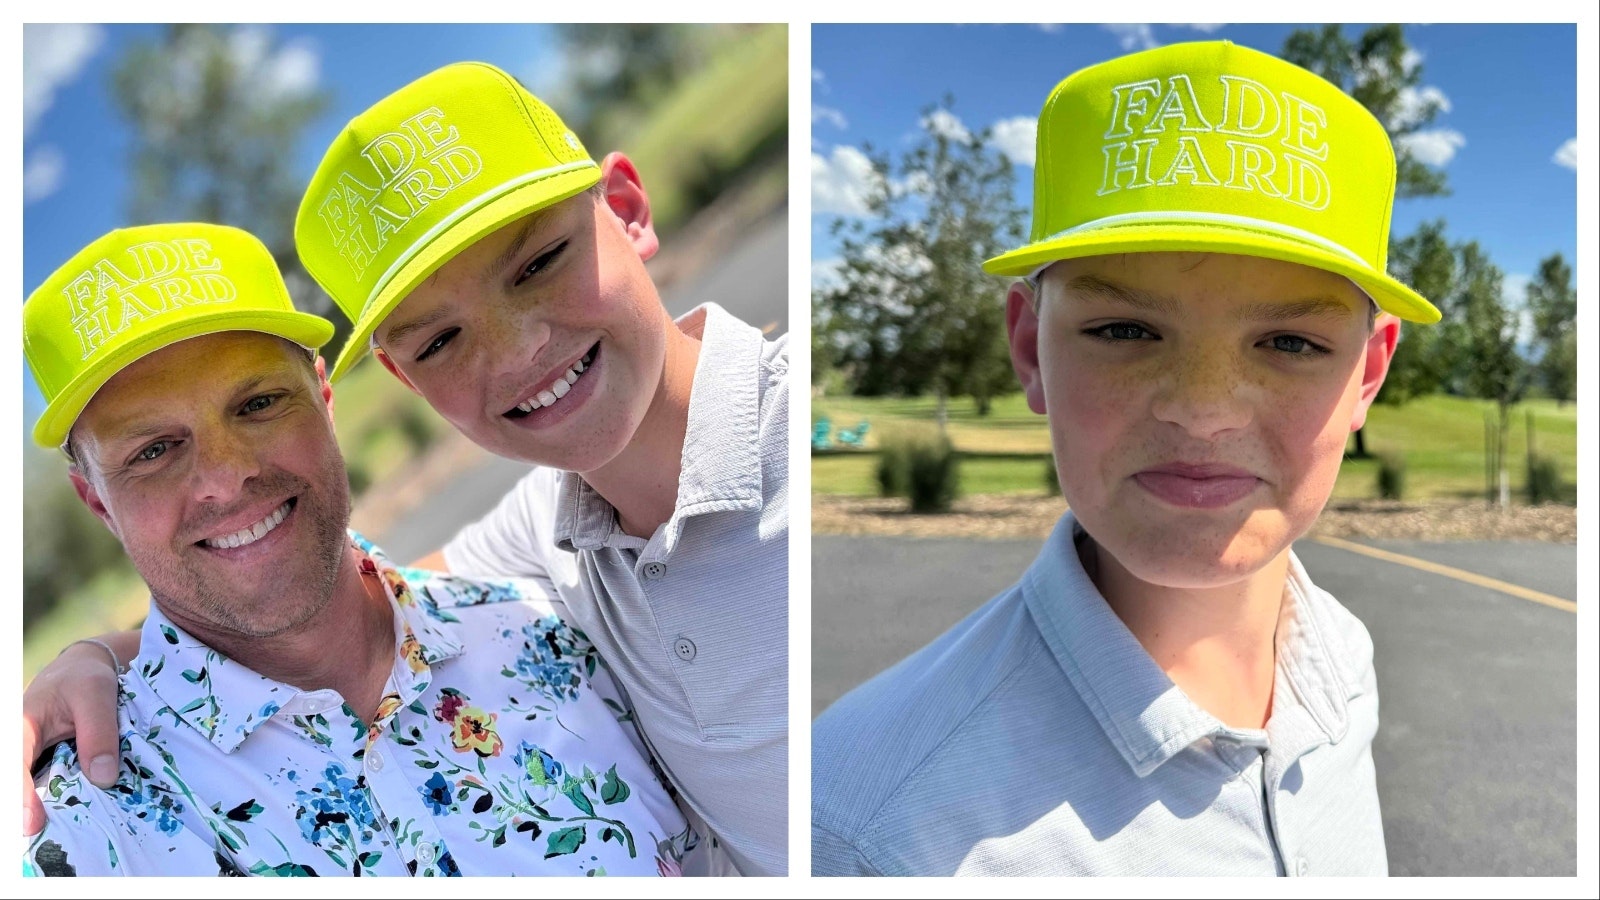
1422	361
216	115
613	72
911	311
1381	72
1489	365
1554	306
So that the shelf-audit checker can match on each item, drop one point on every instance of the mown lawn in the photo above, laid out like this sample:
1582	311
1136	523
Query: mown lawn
1441	439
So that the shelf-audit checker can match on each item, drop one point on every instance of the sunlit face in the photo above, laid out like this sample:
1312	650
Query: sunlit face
544	341
1199	404
213	460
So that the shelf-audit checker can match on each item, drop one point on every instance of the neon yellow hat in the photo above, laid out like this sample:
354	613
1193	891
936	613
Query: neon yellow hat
421	176
137	290
1217	148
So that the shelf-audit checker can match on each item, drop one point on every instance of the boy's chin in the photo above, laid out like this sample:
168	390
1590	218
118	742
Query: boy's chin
1193	558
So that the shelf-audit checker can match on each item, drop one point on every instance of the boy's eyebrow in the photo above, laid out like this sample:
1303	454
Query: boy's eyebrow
1282	310
398	332
514	249
1116	293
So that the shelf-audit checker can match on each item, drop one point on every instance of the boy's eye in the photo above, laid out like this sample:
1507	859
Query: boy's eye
1122	331
1295	345
438	343
541	262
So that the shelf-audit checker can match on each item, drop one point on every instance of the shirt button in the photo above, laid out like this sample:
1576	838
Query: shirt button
655	569
425	854
375	760
1301	867
684	648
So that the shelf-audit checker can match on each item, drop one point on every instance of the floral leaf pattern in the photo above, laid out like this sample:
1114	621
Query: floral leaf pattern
491	752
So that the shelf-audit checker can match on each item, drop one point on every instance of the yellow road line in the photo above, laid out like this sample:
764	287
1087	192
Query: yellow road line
1493	584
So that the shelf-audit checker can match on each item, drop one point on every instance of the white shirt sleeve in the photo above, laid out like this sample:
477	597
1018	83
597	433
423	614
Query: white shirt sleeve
516	538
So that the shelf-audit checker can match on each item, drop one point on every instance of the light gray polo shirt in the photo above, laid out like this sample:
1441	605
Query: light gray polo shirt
1038	737
693	621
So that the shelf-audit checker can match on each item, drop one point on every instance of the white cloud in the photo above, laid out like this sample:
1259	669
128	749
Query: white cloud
1567	154
1017	138
1133	37
291	71
42	173
1050	27
830	115
1433	146
53	56
817	76
1413	102
825	273
946	123
842	182
1203	29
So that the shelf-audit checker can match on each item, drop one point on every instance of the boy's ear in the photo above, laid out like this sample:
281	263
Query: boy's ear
324	385
1022	331
626	197
394	370
1380	352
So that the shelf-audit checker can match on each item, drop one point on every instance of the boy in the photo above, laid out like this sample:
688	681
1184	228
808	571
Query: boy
1164	691
497	270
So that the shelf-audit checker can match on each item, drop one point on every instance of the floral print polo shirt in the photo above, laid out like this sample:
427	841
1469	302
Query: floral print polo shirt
499	748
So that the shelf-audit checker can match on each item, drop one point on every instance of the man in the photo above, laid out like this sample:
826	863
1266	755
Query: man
497	270
1164	691
299	706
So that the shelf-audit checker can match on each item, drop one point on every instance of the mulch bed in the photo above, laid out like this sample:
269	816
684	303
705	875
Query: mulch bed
1010	516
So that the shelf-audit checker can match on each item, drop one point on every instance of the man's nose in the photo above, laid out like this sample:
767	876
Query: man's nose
224	460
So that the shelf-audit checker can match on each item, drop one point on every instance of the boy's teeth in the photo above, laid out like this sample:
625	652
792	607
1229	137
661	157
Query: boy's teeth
557	389
252	533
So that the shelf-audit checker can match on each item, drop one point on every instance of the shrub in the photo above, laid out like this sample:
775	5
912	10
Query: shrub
1544	480
1391	475
922	465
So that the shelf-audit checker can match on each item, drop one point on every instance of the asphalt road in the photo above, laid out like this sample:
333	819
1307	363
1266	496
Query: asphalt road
751	282
1477	751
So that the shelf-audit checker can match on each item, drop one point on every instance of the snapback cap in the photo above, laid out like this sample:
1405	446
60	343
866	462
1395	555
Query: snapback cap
137	290
423	174
1217	148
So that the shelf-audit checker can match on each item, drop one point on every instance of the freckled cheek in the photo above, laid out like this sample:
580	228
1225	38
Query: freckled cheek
1310	433
1092	414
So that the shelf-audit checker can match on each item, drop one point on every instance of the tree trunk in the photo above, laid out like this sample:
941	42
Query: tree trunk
1504	496
1361	443
941	413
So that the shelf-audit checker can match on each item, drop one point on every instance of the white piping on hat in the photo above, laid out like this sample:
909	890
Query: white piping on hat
1201	217
444	224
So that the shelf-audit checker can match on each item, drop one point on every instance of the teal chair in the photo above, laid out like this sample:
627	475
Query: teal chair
820	431
854	437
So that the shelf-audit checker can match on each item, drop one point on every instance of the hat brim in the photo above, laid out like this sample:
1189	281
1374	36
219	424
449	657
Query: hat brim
452	239
53	426
1152	235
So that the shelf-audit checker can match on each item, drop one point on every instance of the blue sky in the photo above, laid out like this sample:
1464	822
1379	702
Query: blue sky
1504	139
76	146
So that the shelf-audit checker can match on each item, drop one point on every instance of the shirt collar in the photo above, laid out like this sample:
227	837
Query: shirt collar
721	460
1144	715
226	701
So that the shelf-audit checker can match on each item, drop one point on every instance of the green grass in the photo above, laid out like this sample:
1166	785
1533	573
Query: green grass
1441	438
713	122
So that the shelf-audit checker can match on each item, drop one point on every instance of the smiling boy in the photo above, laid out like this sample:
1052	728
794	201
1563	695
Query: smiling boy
1164	691
498	271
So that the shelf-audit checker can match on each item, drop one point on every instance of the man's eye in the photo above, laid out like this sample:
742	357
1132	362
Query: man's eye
438	343
152	452
257	404
541	262
1122	331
